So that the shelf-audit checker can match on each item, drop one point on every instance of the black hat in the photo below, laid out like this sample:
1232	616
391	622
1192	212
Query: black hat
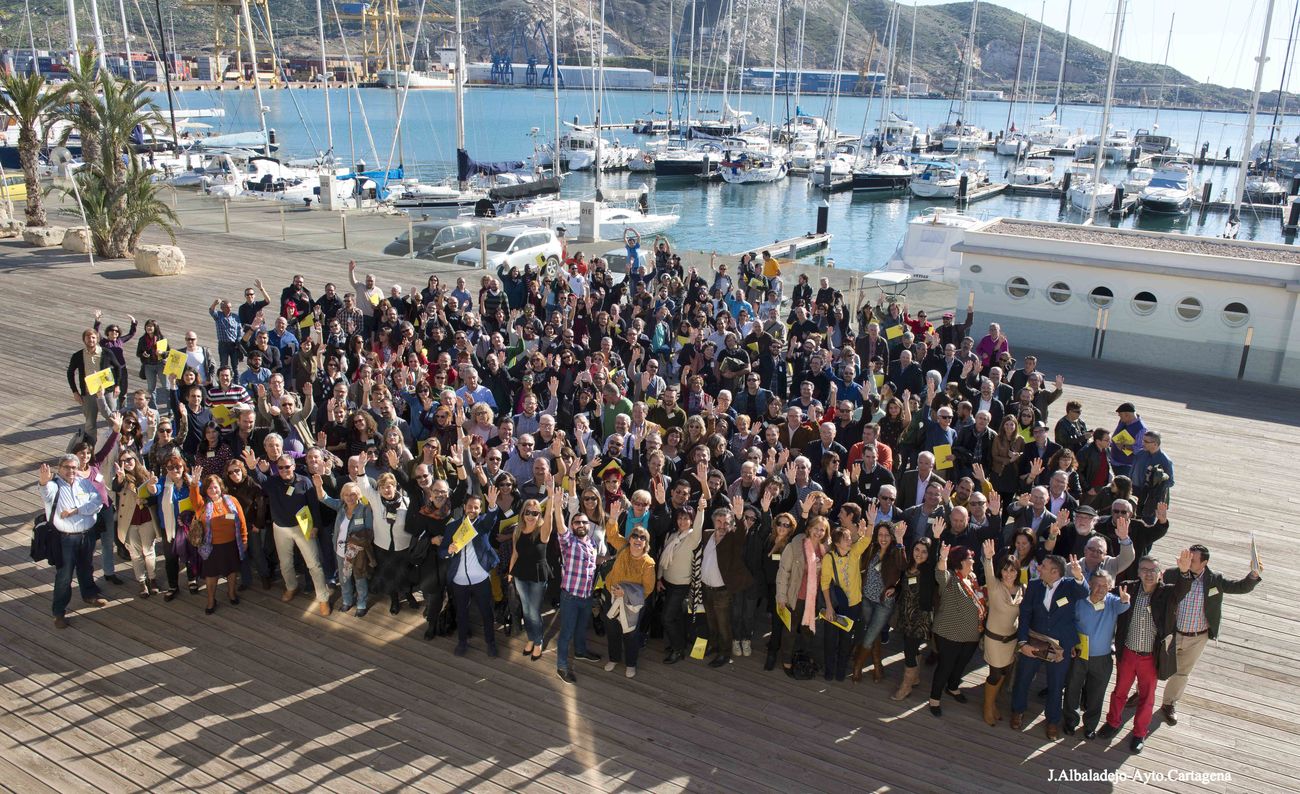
1040	425
1086	510
1126	408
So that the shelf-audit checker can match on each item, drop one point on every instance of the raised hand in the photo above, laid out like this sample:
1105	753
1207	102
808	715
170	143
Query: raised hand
1123	595
492	493
938	526
995	503
1185	560
990	548
1076	570
900	530
45	474
977	471
250	457
944	548
1122	526
1162	512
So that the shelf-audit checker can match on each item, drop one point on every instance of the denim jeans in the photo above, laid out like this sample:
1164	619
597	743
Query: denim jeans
481	594
106	538
78	558
255	559
530	599
744	613
351	586
156	385
874	618
228	353
575	617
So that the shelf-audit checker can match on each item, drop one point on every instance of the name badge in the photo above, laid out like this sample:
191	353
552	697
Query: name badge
911	580
288	491
776	555
391	517
1062	601
1099	606
1213	591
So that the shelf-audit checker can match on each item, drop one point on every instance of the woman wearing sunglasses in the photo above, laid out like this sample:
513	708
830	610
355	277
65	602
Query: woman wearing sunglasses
529	570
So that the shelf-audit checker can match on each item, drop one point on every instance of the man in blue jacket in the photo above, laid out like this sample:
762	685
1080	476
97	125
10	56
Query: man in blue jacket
1048	609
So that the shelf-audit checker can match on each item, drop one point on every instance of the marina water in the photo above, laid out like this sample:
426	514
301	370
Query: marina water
500	125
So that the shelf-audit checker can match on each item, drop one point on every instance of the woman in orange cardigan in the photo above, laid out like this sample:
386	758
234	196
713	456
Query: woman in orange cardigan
225	536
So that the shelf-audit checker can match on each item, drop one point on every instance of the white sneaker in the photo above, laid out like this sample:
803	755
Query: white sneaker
631	672
746	648
735	648
609	666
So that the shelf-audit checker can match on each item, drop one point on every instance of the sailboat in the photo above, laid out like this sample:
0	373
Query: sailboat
962	135
1015	143
1243	171
1087	194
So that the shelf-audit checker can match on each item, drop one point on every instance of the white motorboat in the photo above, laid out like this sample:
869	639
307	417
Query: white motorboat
887	173
938	180
1170	192
414	80
614	221
578	152
1264	189
1054	136
1137	180
1117	147
803	154
1086	195
1015	144
1032	171
898	134
643	162
926	250
747	166
841	171
1154	143
963	139
412	194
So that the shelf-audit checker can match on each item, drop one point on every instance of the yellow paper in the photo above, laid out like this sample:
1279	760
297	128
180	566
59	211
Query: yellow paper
1082	647
97	382
221	413
701	645
142	492
784	614
185	504
373	297
307	321
1123	438
304	521
841	622
941	454
893	332
161	346
1024	576
600	583
175	366
464	534
879	377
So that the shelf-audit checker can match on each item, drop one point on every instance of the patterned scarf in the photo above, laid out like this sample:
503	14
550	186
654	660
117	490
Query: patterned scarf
978	596
695	599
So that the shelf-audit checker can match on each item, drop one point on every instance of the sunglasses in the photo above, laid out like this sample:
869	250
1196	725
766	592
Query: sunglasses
532	513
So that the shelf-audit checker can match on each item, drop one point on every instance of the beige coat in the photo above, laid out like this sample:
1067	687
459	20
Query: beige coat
1003	619
127	501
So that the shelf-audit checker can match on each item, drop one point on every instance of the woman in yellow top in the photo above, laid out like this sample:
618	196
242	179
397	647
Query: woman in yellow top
841	589
633	568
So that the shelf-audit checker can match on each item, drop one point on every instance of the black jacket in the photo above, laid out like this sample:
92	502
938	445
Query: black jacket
1214	585
1164	610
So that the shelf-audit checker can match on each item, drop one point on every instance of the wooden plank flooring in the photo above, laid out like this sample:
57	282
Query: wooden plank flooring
147	695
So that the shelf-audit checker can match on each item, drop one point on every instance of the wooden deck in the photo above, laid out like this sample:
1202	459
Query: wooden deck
156	696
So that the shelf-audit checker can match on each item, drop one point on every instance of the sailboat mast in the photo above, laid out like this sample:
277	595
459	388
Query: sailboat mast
726	62
600	96
891	33
555	79
1033	74
1254	111
324	72
744	48
1065	51
99	35
690	70
970	62
1164	74
257	79
1020	60
1105	108
1288	67
73	43
462	182
776	44
803	21
911	60
126	39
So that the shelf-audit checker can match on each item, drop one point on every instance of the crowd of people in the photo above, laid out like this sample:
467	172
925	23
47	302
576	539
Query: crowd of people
675	459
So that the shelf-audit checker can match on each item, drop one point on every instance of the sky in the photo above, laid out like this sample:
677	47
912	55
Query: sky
1228	32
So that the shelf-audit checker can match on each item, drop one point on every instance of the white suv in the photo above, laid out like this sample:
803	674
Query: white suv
516	246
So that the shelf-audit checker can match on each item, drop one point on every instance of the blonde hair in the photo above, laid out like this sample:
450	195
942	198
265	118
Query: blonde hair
351	487
385	479
519	525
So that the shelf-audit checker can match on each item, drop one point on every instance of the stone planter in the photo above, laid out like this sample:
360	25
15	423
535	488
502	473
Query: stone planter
11	228
77	240
160	260
44	236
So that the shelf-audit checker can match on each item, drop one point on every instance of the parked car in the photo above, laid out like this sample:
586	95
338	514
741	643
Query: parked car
450	241
515	246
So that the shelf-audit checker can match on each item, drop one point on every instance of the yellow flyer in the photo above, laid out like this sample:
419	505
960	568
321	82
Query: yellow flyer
841	622
185	504
893	332
1082	646
307	321
464	534
303	517
1123	438
941	455
97	382
701	645
221	413
161	346
373	297
879	378
175	366
783	613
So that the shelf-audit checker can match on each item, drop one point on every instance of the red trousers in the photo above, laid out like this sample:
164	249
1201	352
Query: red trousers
1141	666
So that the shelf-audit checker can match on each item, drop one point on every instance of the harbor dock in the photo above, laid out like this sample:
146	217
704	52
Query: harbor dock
143	694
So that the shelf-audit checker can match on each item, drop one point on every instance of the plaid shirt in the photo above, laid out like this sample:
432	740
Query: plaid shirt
1191	610
352	320
578	572
1142	627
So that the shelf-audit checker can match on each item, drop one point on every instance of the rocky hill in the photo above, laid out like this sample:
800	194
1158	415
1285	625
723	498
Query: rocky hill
638	35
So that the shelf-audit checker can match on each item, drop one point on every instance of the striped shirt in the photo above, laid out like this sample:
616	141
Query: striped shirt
1191	610
578	572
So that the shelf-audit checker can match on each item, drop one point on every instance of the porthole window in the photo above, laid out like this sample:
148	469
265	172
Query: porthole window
1018	288
1059	293
1101	297
1144	304
1188	309
1236	314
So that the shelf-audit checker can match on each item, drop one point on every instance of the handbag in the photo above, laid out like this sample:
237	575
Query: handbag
839	598
194	533
803	666
46	543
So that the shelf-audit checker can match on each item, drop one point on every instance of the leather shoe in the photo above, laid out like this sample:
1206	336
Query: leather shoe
288	595
1017	719
673	657
1136	744
770	662
60	622
1170	716
1090	735
566	676
1053	732
720	661
1070	730
1106	732
113	579
324	609
97	601
430	632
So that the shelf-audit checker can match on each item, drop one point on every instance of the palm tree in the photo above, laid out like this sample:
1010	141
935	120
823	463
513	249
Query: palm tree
33	104
82	111
115	231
